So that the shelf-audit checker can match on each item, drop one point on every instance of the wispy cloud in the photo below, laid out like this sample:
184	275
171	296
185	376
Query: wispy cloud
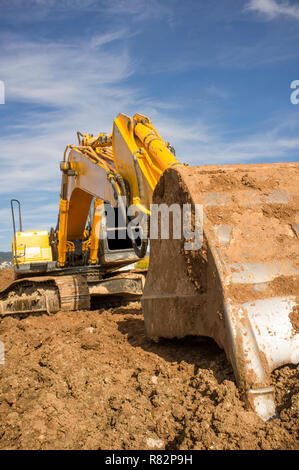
52	73
102	39
68	94
87	96
141	10
273	8
52	4
64	83
217	91
264	52
136	10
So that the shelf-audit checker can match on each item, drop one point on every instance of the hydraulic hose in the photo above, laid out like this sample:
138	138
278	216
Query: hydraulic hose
140	250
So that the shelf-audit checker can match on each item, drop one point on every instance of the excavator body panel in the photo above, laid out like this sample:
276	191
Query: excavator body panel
31	247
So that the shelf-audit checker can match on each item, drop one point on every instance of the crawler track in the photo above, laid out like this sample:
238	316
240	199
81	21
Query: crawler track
45	294
50	294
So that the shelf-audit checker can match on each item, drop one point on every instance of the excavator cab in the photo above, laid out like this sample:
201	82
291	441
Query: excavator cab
29	247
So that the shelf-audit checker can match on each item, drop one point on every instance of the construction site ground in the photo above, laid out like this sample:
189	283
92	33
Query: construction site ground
93	380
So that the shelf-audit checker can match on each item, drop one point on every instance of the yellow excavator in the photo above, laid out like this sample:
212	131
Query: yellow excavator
224	252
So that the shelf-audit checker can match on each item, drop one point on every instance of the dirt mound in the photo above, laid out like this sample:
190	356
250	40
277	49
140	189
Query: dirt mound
93	380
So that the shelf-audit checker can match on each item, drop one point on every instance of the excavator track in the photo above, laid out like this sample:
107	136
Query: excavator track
45	294
50	294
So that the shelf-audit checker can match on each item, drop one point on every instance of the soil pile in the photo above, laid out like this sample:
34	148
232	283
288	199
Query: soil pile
93	380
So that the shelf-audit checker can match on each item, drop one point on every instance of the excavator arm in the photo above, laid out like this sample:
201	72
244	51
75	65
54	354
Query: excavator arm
127	163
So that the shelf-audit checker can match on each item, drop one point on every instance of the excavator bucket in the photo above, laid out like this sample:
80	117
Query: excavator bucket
241	286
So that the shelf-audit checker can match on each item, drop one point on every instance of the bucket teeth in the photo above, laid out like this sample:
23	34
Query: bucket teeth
241	287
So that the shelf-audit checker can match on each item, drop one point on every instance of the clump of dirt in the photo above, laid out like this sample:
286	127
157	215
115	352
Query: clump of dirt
6	277
93	380
225	181
279	211
249	181
294	317
279	287
220	215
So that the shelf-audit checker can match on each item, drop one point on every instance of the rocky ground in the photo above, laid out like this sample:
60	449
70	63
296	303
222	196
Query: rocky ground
93	380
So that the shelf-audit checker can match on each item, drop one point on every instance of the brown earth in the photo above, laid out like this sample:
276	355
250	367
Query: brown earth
92	380
6	277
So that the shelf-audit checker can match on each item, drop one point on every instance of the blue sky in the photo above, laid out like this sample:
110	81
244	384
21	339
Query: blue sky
213	76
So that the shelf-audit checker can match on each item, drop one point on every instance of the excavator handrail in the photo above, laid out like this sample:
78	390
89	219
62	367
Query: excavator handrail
14	226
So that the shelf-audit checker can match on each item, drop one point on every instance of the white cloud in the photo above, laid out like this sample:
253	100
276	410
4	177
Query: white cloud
102	39
52	4
82	86
79	88
60	74
83	94
217	92
136	10
141	10
273	8
86	96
